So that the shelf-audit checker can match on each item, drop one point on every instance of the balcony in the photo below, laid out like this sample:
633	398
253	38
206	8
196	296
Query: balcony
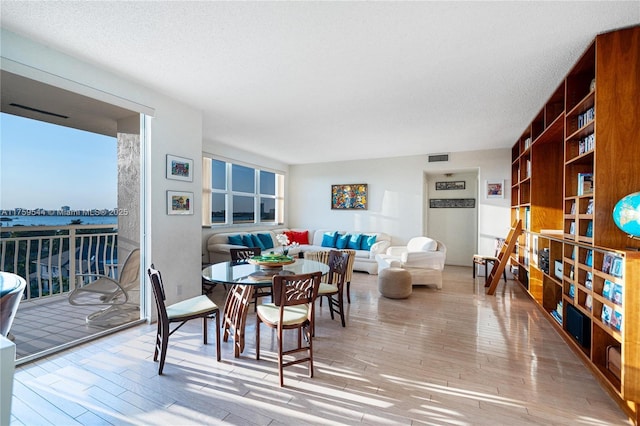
46	322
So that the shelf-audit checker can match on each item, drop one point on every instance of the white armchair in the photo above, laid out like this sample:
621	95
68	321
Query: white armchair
423	257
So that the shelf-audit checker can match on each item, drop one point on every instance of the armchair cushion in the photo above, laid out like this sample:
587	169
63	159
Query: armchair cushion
422	244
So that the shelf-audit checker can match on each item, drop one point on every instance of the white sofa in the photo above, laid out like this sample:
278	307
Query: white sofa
365	260
423	257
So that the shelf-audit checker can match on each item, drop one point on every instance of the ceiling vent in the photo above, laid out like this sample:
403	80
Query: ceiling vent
438	157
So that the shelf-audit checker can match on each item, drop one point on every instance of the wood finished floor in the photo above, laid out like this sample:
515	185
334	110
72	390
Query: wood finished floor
449	357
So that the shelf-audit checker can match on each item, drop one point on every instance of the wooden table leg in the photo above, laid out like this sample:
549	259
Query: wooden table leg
236	308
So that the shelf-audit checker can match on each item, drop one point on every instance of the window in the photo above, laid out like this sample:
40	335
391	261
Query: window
237	194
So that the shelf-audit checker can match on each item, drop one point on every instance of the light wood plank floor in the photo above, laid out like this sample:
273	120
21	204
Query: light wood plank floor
448	357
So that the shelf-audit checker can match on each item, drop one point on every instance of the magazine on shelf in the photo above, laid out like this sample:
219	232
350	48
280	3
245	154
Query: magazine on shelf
607	260
573	208
606	314
607	290
589	259
589	302
589	232
617	294
616	267
588	282
616	320
590	207
572	291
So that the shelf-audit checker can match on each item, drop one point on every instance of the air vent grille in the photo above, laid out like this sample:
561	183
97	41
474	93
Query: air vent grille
438	157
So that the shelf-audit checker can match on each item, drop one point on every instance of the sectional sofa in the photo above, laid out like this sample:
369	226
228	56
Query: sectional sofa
366	244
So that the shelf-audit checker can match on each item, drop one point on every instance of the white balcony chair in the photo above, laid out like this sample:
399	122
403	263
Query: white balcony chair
116	295
422	257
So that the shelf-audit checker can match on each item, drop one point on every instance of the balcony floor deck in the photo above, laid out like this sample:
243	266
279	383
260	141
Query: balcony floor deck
454	356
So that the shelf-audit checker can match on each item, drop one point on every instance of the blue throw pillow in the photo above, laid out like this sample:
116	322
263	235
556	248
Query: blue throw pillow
257	242
266	240
342	241
247	240
367	242
236	240
354	242
329	239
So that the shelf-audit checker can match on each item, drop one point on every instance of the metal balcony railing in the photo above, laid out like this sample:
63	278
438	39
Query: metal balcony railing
49	257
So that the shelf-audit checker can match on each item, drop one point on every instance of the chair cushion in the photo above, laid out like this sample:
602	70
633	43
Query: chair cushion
270	313
236	240
422	244
195	305
342	241
326	289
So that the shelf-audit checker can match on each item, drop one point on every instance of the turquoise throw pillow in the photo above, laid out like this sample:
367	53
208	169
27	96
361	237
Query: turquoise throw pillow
367	242
329	239
355	242
343	241
247	240
266	240
257	242
236	240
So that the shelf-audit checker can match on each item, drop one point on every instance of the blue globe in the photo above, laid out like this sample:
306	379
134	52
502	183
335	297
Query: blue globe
626	214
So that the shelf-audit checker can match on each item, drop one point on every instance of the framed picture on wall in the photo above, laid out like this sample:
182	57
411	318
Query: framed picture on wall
179	168
179	202
349	196
495	189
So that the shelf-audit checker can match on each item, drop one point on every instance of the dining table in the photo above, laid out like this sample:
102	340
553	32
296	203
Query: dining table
244	277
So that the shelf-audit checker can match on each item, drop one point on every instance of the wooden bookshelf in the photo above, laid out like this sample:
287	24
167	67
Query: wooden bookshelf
588	126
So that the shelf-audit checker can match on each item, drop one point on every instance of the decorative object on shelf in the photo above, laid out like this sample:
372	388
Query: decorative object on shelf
626	215
179	168
453	185
452	203
179	203
585	183
349	196
495	189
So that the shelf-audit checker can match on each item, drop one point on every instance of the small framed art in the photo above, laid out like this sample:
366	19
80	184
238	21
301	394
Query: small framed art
495	189
179	202
179	168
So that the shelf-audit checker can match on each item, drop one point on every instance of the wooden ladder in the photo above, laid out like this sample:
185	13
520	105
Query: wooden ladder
503	257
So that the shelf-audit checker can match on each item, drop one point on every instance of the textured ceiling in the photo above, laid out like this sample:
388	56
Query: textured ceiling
326	81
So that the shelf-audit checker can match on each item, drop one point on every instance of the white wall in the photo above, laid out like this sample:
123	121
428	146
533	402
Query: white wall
173	241
396	195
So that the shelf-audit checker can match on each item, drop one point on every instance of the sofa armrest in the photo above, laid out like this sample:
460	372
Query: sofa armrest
423	259
378	248
396	250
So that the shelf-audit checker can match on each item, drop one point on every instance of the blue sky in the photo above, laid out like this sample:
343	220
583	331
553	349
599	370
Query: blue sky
47	166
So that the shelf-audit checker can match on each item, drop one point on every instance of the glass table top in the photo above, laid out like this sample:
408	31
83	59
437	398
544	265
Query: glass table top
248	274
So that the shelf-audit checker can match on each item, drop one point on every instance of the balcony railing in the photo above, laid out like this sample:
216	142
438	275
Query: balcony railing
49	257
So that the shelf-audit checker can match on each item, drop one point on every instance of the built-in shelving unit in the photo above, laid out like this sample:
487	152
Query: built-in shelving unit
577	158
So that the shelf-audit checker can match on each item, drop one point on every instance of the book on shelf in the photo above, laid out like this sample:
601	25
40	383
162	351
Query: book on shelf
573	252
617	294
589	232
585	183
590	207
589	259
586	117
606	314
572	291
616	320
588	281
616	267
573	207
607	260
572	228
607	290
588	302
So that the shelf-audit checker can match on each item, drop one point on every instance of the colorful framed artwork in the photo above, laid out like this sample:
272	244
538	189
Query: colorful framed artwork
179	202
349	196
495	189
179	168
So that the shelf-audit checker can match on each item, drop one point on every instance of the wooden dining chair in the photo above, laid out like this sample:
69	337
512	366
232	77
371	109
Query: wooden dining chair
242	255
180	312
333	288
292	308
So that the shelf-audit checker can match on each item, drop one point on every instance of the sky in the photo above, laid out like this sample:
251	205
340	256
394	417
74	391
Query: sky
47	166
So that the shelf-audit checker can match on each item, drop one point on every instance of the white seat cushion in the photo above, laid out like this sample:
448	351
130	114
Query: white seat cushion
422	244
195	305
326	289
297	314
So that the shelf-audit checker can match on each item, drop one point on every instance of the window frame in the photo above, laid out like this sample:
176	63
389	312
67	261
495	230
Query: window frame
208	191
